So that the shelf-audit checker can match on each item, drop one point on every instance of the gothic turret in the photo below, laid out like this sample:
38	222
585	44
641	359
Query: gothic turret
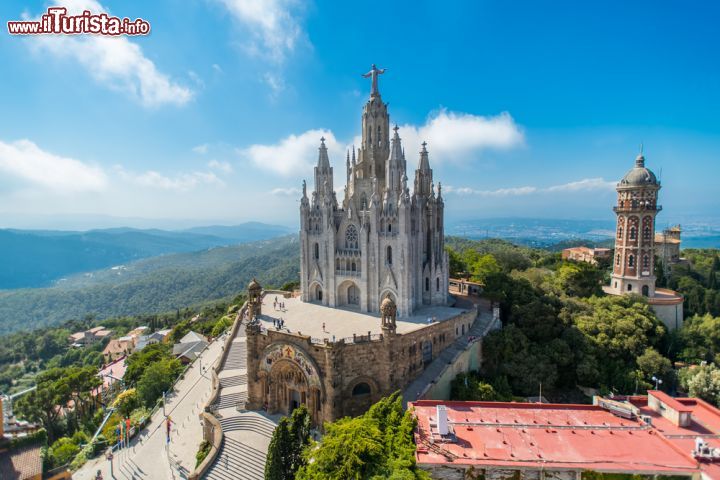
323	173
423	174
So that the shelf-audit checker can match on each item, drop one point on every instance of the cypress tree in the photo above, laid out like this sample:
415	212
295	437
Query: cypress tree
278	465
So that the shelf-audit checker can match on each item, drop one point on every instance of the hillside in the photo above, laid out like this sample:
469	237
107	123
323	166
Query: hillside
37	258
152	285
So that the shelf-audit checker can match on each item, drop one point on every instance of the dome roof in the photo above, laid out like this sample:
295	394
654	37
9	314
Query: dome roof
254	285
388	307
639	175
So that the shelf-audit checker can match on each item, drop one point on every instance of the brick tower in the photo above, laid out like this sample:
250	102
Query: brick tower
634	262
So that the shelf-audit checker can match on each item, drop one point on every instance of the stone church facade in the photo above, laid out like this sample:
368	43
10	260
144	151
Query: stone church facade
382	240
376	260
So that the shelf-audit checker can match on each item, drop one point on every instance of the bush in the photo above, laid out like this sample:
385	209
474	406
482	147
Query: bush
203	451
63	451
126	402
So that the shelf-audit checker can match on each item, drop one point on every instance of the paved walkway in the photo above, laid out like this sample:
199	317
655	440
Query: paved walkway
479	329
148	456
246	434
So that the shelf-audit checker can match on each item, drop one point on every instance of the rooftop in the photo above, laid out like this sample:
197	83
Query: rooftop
21	463
309	318
504	434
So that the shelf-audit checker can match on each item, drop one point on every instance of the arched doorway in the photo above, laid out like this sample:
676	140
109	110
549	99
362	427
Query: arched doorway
645	290
348	294
316	293
287	387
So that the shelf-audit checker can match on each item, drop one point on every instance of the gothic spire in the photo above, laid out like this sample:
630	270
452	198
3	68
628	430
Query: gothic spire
396	151
323	160
424	159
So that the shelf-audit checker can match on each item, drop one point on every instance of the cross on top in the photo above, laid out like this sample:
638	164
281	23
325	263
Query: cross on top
322	140
395	128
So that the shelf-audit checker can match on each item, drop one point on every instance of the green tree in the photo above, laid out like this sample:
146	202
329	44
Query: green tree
41	405
484	266
377	445
126	402
579	279
702	381
651	363
156	379
290	438
140	360
63	451
278	465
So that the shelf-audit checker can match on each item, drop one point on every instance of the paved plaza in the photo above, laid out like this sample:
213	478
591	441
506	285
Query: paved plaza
309	318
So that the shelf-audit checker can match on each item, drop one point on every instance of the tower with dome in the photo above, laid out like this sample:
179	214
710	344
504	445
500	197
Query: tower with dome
634	257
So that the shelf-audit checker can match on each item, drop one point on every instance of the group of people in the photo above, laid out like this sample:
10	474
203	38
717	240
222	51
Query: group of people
278	323
280	305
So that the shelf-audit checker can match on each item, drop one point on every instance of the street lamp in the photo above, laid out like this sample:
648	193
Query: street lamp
657	381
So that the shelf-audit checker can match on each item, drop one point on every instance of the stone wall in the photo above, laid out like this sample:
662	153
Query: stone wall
466	472
376	365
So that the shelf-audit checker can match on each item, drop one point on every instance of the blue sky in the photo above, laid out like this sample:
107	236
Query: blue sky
528	109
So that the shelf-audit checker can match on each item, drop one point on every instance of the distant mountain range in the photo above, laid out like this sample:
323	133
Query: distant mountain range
154	285
37	258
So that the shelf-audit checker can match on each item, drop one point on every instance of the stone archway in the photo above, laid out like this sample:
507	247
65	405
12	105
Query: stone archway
348	294
287	388
316	293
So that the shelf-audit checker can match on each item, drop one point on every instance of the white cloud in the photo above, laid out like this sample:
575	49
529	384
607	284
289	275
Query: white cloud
458	137
217	68
201	149
180	182
275	82
25	161
295	154
272	24
115	62
224	167
286	192
584	185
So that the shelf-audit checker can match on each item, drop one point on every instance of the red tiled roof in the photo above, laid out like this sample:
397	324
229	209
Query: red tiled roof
545	436
21	463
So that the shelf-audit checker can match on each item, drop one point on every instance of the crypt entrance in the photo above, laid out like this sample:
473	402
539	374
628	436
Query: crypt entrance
289	379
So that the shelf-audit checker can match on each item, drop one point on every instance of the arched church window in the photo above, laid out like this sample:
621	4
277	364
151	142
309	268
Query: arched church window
317	251
353	267
617	260
363	202
427	284
351	238
620	232
389	227
633	233
369	135
631	261
388	255
646	233
361	389
437	284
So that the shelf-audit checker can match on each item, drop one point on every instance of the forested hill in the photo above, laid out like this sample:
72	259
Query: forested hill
37	258
154	285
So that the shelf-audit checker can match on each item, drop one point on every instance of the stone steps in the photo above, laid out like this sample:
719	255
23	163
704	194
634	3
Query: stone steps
250	423
237	460
233	381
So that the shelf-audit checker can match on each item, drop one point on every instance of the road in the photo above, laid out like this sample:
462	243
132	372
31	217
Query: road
148	455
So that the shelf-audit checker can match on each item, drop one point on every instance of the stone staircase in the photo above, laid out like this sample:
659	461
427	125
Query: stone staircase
237	460
245	434
417	387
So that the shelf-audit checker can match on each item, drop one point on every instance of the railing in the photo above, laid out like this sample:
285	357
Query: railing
347	273
348	252
209	421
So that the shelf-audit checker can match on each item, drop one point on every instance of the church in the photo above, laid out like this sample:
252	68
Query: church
373	311
382	240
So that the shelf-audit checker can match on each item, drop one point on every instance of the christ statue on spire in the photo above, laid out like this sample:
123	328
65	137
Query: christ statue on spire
374	72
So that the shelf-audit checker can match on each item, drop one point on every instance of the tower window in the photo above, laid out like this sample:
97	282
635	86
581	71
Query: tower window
388	255
633	233
317	251
646	233
379	136
620	232
646	261
389	227
631	261
427	284
437	284
617	260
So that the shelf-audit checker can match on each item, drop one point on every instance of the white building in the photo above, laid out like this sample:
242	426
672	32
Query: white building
382	240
